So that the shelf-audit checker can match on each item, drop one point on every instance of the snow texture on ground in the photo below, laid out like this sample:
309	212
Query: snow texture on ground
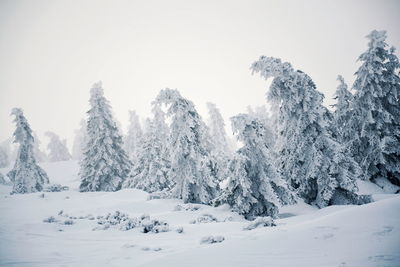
367	235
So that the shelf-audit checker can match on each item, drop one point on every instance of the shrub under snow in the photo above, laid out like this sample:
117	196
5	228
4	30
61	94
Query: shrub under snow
212	239
260	222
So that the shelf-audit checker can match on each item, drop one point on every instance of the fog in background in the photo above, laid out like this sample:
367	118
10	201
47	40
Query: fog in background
51	52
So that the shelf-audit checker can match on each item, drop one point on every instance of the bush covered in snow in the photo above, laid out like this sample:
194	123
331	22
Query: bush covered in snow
50	219
124	223
187	207
212	239
260	222
55	188
205	218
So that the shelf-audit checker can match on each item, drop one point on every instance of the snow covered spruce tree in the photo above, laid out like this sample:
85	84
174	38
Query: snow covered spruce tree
376	116
190	160
134	137
342	113
58	150
220	149
26	176
79	141
309	158
105	164
151	172
4	157
40	156
255	188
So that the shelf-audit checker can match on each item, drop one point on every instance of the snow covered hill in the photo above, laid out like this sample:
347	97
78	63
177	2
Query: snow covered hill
367	235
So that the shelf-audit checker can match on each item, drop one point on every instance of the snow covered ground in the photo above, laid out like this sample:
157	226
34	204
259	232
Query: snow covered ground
366	235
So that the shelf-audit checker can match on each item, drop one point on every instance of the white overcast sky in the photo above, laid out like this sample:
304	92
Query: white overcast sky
51	52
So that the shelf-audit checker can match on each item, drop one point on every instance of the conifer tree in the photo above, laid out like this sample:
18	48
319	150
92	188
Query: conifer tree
133	139
255	188
151	172
220	150
190	160
40	156
376	116
4	157
309	158
79	141
105	164
26	176
343	112
58	150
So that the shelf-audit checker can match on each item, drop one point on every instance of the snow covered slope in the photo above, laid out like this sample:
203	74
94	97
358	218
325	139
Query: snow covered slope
366	235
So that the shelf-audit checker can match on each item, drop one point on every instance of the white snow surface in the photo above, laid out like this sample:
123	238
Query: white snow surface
367	235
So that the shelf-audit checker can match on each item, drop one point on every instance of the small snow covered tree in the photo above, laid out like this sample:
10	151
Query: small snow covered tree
151	172
190	160
105	164
2	180
4	156
58	150
26	176
309	158
255	188
376	116
342	113
79	141
40	156
219	144
134	137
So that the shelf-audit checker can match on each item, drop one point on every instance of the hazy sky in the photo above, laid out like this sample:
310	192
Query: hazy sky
51	52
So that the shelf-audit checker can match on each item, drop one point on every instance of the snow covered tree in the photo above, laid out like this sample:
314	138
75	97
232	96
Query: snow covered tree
219	144
134	137
105	164
58	150
79	141
4	156
309	158
190	160
26	176
151	172
376	116
343	112
261	114
255	188
40	156
2	180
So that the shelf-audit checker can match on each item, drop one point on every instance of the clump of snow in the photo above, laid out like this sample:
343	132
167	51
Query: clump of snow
387	186
212	239
179	230
124	223
260	222
205	218
159	195
69	222
55	188
50	219
186	207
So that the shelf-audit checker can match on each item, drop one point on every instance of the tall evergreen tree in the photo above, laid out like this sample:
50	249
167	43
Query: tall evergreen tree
220	149
151	172
133	139
190	160
58	150
309	158
376	116
79	141
26	176
255	188
105	164
342	113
